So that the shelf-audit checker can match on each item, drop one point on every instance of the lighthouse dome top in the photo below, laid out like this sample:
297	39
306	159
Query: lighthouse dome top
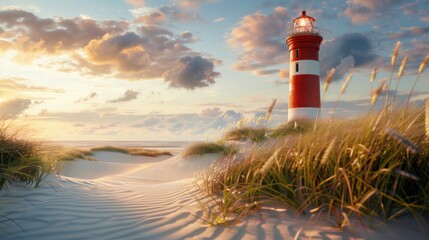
304	24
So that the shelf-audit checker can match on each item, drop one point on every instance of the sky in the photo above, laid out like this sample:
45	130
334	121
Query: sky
188	69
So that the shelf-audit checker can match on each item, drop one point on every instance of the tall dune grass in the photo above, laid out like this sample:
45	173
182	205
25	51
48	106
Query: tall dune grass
346	167
372	167
21	160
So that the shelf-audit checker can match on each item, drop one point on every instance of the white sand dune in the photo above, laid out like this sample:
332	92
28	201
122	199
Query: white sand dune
126	197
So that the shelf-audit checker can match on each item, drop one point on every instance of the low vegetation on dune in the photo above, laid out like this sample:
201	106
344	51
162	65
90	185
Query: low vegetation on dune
132	151
374	167
31	162
199	149
22	160
69	154
253	134
371	167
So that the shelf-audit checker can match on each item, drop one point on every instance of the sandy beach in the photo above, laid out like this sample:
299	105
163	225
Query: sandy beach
131	197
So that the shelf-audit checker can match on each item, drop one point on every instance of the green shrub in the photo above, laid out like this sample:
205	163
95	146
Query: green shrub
132	151
291	128
246	134
199	149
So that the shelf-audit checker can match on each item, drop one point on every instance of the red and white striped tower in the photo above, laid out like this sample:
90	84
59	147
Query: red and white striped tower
304	84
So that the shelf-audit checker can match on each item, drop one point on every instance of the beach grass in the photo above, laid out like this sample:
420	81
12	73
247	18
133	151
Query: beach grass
132	151
253	134
22	160
370	167
291	128
70	154
199	149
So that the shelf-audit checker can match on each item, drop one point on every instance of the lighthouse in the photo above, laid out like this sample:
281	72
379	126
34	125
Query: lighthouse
304	84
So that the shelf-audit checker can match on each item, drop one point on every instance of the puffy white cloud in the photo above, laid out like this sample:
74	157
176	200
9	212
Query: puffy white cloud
163	14
107	48
211	112
27	32
362	11
261	38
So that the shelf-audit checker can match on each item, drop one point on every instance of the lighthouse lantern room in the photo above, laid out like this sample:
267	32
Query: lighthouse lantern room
304	84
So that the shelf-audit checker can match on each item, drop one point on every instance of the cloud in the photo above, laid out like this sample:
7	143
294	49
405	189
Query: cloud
90	96
13	108
18	84
28	33
228	117
219	19
359	15
279	82
284	73
261	37
101	48
211	112
191	73
136	3
128	96
95	129
193	3
264	72
344	52
162	126
170	13
417	53
409	32
362	11
133	56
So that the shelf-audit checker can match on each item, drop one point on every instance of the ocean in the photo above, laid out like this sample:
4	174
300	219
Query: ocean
167	145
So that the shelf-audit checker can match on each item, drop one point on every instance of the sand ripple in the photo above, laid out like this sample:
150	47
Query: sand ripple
146	201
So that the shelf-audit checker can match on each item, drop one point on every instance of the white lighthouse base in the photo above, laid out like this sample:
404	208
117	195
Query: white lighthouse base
302	113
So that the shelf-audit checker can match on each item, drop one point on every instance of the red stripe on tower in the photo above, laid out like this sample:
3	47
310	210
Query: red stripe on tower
304	82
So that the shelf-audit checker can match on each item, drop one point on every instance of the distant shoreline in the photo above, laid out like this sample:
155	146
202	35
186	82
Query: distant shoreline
146	144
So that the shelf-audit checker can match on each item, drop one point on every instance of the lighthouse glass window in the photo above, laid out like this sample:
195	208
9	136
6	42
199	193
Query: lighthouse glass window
303	24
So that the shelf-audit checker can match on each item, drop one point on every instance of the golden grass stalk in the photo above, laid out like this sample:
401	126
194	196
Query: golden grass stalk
346	83
402	67
377	93
427	118
403	140
421	69
373	76
267	165
328	80
327	152
270	110
395	53
423	64
400	74
392	62
342	91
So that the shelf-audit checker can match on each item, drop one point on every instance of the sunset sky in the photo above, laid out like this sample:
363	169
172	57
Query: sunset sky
183	69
